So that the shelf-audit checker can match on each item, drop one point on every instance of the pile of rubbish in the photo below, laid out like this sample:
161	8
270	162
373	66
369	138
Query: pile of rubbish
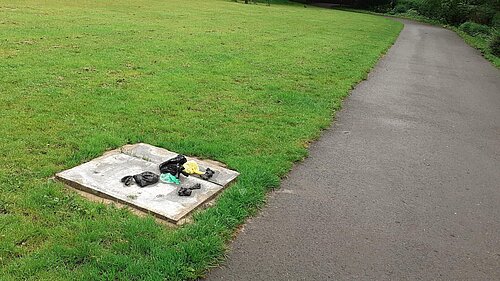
170	172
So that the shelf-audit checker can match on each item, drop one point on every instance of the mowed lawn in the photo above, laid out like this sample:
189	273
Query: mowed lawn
248	85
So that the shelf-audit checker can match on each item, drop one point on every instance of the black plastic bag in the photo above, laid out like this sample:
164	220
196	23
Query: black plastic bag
174	166
142	179
184	192
208	174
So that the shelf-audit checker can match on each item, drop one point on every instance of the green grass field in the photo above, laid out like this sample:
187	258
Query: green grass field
248	85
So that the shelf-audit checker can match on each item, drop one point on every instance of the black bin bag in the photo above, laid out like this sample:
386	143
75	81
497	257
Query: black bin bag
143	179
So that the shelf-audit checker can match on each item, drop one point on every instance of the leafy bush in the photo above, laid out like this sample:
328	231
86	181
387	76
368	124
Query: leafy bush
495	44
400	8
412	13
482	14
429	8
475	29
495	22
382	9
454	12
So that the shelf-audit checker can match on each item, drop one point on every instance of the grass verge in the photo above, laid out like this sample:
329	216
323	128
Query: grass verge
480	43
248	85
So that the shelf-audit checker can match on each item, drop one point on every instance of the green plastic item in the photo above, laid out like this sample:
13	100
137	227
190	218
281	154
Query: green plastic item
169	178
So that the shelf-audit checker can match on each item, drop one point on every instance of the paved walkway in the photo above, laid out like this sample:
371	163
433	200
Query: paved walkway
404	186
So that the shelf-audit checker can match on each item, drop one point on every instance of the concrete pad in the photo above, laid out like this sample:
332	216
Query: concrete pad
102	175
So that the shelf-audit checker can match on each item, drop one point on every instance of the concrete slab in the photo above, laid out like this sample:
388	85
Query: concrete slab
102	175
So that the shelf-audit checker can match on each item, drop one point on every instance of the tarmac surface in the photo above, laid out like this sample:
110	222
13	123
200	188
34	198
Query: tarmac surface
404	186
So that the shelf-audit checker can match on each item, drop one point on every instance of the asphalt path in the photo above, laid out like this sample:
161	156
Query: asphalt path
405	185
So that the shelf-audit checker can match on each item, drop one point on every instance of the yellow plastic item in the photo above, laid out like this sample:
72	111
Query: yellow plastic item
192	167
